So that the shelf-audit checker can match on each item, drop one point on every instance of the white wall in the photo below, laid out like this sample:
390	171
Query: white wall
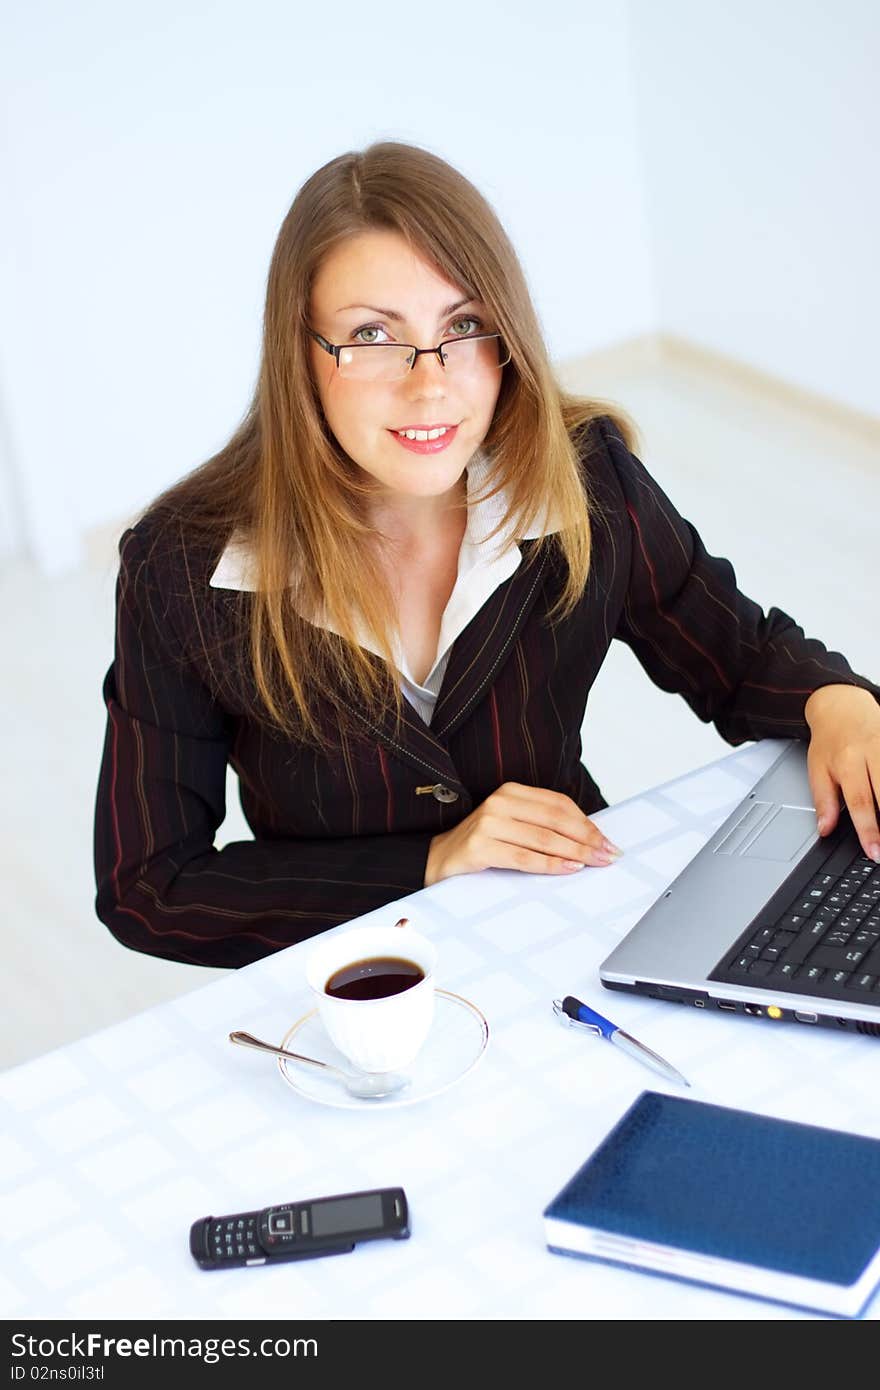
697	166
758	127
11	512
157	151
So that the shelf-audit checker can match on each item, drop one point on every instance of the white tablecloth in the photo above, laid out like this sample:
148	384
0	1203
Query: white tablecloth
112	1146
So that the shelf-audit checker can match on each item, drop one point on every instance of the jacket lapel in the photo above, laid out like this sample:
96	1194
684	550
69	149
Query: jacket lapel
485	644
477	655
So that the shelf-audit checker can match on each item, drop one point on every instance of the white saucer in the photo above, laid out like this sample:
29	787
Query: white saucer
454	1046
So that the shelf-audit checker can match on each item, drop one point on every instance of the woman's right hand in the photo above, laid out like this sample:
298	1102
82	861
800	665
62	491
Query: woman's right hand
520	827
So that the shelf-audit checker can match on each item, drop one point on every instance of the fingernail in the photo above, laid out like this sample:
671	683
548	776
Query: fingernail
874	852
603	858
822	824
610	848
571	864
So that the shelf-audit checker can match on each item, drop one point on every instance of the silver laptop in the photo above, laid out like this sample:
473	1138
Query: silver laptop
768	919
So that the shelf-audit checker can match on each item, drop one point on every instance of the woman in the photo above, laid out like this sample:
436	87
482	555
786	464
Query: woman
385	601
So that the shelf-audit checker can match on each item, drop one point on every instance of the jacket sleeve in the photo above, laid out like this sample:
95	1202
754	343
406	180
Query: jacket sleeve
697	635
162	886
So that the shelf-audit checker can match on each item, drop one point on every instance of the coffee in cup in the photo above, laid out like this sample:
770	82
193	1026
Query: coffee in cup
374	987
375	978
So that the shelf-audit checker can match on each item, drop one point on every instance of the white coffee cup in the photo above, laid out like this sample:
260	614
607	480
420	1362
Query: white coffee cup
382	1034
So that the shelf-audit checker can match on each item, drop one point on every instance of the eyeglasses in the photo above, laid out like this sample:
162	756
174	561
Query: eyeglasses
392	361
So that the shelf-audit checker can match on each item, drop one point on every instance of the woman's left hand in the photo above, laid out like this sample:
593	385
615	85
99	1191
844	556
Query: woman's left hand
844	756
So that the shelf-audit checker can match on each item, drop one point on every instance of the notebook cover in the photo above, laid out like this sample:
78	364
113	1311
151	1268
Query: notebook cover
734	1185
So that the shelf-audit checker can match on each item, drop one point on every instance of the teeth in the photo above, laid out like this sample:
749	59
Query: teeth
421	434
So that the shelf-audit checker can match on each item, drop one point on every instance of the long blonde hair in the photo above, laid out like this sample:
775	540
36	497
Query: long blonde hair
285	483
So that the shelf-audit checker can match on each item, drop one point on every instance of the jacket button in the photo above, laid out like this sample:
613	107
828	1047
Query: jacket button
441	793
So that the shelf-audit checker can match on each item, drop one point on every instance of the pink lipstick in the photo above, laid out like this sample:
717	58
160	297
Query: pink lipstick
427	446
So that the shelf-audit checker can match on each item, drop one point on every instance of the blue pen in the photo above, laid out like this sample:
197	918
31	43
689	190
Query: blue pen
571	1011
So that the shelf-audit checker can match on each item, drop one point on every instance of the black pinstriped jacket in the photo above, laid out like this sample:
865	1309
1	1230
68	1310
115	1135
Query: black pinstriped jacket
337	836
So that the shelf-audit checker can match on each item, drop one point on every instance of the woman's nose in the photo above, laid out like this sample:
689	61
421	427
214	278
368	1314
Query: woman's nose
430	362
427	371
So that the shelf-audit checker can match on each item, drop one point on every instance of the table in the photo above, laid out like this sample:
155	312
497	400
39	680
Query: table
110	1147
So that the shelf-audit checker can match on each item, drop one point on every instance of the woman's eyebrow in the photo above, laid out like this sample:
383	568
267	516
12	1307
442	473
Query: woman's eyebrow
401	318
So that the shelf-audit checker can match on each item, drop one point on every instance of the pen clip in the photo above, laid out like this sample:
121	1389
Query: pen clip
568	1022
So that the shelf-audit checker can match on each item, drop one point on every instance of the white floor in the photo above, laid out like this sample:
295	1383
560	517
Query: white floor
792	499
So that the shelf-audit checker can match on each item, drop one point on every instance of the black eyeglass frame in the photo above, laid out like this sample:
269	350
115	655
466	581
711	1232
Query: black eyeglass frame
336	348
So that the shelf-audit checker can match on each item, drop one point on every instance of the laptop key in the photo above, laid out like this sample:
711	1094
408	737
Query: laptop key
872	961
812	973
864	982
836	957
866	938
763	936
827	914
783	939
816	890
761	967
792	921
821	883
784	969
799	949
805	906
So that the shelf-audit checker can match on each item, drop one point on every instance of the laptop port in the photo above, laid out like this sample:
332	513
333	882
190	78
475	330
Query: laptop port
753	1010
727	1006
806	1018
699	1003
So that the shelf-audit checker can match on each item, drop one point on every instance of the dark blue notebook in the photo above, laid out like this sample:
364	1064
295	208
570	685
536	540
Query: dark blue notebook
726	1197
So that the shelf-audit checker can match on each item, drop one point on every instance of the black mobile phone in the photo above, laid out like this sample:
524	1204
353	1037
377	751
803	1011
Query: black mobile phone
299	1230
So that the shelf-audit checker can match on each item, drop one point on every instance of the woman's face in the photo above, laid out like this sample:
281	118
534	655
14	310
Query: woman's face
357	283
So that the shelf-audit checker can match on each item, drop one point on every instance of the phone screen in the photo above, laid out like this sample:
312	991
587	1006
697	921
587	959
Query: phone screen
347	1214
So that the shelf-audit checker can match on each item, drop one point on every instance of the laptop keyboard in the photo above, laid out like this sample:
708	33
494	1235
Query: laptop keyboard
822	939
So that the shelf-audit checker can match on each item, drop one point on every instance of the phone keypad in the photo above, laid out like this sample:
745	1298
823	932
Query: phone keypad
234	1238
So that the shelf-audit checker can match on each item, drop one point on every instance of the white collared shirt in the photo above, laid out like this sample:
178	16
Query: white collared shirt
483	565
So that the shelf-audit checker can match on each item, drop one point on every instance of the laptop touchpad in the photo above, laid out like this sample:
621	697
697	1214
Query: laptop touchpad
783	835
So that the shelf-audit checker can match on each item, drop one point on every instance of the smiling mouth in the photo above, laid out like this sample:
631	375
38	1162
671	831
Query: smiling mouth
424	432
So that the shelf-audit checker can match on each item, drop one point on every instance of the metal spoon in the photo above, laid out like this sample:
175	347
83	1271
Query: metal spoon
364	1085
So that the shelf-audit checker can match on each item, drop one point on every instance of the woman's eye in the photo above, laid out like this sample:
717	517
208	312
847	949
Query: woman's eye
368	328
468	318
